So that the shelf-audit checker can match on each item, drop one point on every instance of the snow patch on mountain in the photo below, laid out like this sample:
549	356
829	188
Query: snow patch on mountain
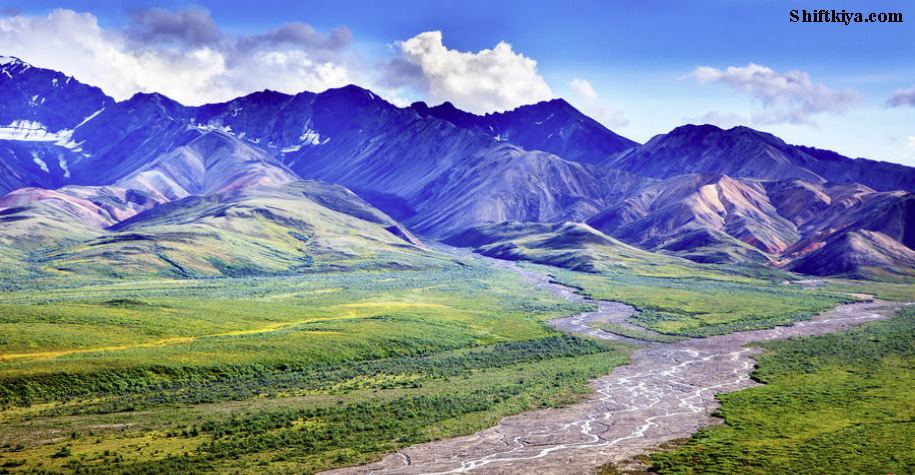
210	127
31	131
40	163
310	137
62	162
87	119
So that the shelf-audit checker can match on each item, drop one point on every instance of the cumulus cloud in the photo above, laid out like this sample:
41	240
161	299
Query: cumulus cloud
725	120
303	36
182	54
786	97
902	97
186	55
193	26
583	89
909	153
594	107
490	80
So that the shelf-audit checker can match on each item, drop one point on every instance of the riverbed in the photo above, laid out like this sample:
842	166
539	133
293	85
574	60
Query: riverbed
666	393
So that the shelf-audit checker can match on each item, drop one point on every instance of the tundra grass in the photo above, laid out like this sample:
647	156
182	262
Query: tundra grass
838	403
624	330
273	374
305	421
77	340
880	290
700	306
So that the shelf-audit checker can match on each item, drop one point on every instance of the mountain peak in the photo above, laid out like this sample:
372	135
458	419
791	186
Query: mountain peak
14	65
739	152
149	96
156	101
694	129
267	95
553	126
553	104
351	90
5	60
419	106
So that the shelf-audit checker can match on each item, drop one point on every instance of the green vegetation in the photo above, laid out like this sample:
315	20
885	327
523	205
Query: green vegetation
880	290
284	373
713	247
294	372
703	304
287	229
624	330
574	246
839	403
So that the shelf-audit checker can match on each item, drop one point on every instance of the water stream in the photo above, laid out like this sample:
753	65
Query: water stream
668	392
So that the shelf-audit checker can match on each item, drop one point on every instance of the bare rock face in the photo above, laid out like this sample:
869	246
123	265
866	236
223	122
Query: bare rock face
212	163
677	206
858	254
33	217
890	214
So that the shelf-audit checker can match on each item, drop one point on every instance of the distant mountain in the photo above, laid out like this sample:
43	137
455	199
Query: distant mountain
84	171
742	152
36	102
39	110
212	163
438	176
33	218
674	207
401	160
858	255
891	214
551	126
882	176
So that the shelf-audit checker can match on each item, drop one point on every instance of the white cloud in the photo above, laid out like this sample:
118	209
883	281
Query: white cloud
186	55
183	54
591	105
489	80
903	97
724	120
909	154
786	97
584	89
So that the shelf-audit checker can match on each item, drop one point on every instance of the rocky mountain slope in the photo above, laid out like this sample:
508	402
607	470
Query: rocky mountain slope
79	166
551	126
742	152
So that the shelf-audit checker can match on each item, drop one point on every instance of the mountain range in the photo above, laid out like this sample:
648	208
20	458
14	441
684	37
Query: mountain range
272	182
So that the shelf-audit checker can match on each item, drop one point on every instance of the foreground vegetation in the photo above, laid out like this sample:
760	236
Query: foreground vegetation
299	373
275	374
839	403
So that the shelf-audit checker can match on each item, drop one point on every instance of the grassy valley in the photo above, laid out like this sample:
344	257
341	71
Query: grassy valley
674	302
236	287
295	373
838	403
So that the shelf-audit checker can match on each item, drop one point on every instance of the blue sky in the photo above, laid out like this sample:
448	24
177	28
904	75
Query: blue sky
641	68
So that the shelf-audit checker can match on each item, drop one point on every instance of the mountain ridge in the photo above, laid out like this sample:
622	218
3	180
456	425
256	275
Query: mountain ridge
700	192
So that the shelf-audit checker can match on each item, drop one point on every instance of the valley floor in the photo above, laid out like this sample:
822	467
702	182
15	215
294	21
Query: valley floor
303	373
668	392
